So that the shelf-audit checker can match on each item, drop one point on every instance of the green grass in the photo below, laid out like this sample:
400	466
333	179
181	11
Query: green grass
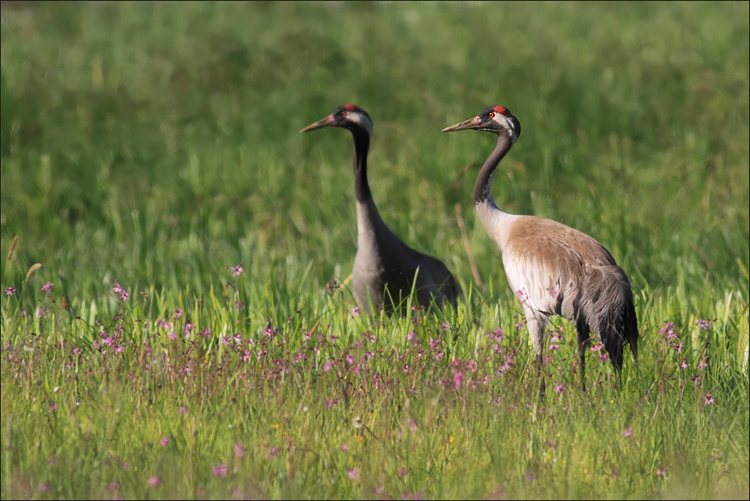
155	145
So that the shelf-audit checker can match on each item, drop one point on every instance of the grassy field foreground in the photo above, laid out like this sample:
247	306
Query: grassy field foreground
191	333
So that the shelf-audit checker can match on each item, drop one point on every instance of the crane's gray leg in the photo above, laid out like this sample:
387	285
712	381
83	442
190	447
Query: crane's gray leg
583	342
536	324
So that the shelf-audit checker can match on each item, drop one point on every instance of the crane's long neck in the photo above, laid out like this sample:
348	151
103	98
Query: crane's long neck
373	236
361	147
483	188
496	222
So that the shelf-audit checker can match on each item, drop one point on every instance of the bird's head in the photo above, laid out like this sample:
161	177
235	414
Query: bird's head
347	116
497	119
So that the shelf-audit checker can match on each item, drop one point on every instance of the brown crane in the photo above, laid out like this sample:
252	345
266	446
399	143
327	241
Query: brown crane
552	268
384	267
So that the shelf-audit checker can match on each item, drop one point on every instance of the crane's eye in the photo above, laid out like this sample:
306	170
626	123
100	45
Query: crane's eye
343	113
492	114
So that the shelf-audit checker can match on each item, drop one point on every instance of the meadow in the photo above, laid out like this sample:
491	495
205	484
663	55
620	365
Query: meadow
177	318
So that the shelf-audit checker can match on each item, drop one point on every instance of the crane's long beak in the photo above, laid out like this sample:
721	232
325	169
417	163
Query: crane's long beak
471	123
325	122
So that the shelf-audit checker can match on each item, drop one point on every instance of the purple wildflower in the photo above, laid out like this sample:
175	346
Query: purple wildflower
10	291
668	330
709	399
154	481
177	313
627	432
344	447
273	452
42	313
164	441
661	471
47	288
703	325
560	388
355	311
118	289
239	451
353	474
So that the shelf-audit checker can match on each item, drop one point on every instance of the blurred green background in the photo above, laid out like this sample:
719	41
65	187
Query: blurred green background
157	143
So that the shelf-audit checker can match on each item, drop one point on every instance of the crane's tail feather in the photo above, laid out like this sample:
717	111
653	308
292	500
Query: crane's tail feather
607	304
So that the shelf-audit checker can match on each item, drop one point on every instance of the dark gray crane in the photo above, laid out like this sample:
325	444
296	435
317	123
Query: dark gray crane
385	267
552	268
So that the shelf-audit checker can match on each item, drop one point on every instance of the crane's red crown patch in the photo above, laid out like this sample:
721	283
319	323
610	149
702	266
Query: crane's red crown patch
500	109
349	107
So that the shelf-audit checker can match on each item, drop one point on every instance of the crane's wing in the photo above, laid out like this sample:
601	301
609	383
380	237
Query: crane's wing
546	262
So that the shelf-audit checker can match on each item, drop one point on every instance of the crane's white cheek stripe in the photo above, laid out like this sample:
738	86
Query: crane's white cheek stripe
361	120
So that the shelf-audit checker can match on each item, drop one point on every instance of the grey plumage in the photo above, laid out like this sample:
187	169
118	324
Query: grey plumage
553	269
385	267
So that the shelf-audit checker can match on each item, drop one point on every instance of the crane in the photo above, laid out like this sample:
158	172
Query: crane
385	268
553	269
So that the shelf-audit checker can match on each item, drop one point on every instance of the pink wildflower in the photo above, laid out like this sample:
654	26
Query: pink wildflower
236	270
10	291
47	288
164	441
220	470
353	474
709	399
457	379
154	481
